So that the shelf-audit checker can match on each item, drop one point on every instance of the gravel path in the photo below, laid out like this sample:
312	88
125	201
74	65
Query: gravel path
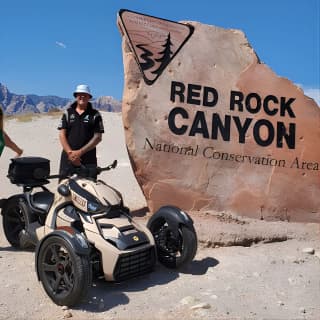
244	269
276	280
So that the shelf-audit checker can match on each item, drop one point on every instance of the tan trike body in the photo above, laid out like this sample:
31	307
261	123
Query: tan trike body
83	230
98	227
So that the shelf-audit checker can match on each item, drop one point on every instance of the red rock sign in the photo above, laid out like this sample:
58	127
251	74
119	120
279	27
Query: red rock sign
216	129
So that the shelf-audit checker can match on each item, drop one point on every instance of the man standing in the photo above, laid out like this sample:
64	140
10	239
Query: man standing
81	129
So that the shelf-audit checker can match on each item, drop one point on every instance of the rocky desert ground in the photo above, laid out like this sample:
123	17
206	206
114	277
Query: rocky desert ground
244	269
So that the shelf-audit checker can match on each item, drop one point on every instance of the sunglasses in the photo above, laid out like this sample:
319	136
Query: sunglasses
85	95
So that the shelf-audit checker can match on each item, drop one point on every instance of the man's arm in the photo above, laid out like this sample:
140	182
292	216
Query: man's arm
75	159
97	138
63	140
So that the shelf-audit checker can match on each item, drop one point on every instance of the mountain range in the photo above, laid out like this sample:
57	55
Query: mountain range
30	103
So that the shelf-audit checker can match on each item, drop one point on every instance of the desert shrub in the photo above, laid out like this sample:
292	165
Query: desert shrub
26	117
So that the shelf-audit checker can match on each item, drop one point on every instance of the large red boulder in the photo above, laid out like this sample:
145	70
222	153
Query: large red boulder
217	129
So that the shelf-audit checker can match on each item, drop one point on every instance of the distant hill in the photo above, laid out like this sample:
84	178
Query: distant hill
31	103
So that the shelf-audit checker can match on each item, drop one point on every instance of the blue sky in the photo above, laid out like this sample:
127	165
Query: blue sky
48	47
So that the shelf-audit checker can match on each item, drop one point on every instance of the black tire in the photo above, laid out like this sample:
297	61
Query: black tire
15	219
64	274
173	252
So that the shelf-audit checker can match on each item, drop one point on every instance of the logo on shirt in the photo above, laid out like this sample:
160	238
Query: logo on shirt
72	117
86	119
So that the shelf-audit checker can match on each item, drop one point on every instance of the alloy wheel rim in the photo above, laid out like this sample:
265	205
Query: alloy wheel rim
58	269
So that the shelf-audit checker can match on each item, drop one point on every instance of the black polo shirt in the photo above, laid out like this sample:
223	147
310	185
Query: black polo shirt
81	128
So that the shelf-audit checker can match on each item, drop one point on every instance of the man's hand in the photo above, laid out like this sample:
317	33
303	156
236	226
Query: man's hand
75	157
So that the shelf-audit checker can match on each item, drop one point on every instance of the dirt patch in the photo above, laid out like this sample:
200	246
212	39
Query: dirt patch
226	280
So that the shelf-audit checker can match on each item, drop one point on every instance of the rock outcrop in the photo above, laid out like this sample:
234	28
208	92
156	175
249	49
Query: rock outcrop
218	129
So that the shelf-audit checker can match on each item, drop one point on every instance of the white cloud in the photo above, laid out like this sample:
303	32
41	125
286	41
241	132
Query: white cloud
313	93
61	44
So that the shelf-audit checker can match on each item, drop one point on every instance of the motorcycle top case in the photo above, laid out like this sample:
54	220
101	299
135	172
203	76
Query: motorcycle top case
29	171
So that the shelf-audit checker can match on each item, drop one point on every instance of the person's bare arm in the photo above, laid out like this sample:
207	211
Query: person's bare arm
97	137
66	147
64	142
10	144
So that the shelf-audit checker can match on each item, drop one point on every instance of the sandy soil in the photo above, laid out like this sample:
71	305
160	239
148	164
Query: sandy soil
244	269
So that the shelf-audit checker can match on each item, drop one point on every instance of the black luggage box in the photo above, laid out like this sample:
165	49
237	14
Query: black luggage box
29	171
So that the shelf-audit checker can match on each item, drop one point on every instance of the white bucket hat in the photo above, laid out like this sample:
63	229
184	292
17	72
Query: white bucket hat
82	88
